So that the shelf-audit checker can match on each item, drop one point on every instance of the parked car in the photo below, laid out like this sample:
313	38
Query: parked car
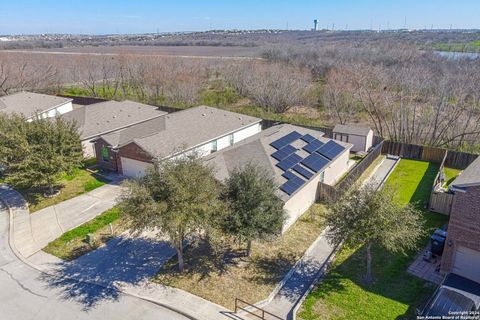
455	294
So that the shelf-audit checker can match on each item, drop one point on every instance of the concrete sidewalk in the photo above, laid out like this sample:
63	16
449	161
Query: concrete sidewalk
313	264
88	284
381	173
32	232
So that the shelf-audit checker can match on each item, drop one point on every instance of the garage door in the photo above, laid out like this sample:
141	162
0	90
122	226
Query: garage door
467	263
134	168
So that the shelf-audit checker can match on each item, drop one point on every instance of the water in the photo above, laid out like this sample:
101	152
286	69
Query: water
455	55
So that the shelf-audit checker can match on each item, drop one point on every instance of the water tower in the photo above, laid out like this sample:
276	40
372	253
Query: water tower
315	24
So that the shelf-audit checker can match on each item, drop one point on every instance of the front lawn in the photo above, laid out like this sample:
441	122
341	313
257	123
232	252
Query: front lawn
79	182
73	244
220	273
395	294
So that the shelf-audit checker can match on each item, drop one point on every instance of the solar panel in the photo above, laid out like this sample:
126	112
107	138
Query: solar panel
293	184
315	162
302	171
289	162
308	138
284	152
289	138
313	146
330	150
289	175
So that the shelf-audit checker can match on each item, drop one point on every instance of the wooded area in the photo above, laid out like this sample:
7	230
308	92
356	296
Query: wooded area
405	94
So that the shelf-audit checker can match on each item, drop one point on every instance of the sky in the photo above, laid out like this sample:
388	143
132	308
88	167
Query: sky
149	16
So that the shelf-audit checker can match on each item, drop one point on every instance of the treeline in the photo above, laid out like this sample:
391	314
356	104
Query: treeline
405	94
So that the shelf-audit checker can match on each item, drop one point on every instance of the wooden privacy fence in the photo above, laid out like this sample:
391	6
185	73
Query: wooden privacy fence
453	159
331	193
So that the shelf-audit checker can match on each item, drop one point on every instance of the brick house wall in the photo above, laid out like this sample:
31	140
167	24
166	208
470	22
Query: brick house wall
111	164
114	162
464	225
132	151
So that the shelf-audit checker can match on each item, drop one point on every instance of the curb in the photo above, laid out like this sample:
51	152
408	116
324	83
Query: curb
33	266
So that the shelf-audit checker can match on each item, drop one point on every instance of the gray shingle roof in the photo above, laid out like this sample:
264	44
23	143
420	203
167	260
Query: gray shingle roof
470	176
101	118
354	129
28	103
257	150
184	129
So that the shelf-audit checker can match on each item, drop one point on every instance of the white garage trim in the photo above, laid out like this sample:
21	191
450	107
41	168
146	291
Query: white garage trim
467	263
133	168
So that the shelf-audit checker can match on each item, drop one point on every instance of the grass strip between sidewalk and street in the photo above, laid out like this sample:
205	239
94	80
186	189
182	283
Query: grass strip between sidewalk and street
73	244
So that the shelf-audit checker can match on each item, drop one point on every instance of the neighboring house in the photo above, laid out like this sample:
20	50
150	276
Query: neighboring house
32	105
296	158
102	118
360	136
462	249
202	129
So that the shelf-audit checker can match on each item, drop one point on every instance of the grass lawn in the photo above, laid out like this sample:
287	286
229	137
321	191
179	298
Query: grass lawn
450	175
395	294
220	273
72	244
81	181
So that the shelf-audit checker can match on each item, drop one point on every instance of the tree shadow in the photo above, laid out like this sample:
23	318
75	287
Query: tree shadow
272	269
203	258
95	276
422	192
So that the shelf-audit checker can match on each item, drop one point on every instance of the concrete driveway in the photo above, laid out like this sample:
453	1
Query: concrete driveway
32	232
26	293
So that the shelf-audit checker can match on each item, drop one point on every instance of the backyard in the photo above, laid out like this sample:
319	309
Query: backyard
394	294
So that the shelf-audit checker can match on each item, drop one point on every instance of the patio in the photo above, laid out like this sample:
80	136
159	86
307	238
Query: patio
426	270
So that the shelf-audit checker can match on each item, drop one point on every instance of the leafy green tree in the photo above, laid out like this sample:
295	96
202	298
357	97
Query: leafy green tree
178	198
366	217
46	149
13	139
255	212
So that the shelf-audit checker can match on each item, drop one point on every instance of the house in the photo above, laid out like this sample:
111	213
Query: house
106	117
360	136
296	158
32	105
462	250
202	129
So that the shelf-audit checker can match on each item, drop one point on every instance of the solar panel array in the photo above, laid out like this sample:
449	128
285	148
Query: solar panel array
289	138
313	146
330	150
315	162
284	152
289	162
293	184
320	155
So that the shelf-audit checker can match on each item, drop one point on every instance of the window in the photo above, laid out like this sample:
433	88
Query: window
214	146
322	176
231	139
105	154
